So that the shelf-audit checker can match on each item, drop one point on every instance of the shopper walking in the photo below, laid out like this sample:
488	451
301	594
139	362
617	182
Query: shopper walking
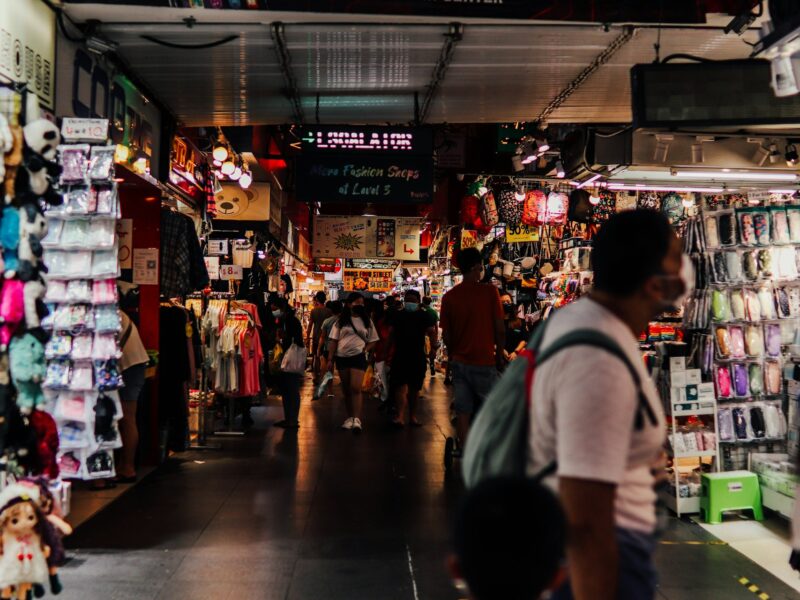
319	313
409	361
427	306
351	338
289	331
133	365
474	334
604	432
324	339
516	333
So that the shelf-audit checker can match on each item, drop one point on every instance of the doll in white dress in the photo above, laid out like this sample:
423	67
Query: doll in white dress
23	561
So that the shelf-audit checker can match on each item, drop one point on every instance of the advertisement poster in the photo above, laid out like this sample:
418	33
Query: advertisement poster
368	280
343	237
145	266
388	238
236	204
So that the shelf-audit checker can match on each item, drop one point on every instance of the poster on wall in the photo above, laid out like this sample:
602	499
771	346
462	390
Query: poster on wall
236	204
145	266
389	238
28	46
343	237
368	280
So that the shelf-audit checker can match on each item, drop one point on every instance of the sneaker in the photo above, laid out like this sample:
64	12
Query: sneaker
349	423
357	426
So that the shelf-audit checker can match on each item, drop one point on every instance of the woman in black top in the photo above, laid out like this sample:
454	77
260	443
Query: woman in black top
288	331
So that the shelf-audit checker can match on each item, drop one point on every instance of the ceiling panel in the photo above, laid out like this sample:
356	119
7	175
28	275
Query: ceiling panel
369	72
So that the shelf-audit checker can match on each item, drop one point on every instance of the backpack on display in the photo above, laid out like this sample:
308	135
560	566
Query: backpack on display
508	207
498	439
672	207
530	209
607	206
469	210
580	209
649	200
489	214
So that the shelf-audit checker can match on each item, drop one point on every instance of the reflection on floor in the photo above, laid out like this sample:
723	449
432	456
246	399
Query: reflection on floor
324	514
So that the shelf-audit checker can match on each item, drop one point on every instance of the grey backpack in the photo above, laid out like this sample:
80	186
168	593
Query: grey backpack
498	439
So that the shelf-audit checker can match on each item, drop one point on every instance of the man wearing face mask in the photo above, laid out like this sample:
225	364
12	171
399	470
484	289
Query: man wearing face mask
474	334
589	418
409	362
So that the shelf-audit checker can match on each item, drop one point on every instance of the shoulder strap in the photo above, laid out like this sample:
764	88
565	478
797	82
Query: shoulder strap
124	339
597	339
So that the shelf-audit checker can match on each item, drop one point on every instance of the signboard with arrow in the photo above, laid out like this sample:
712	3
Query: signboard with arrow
392	238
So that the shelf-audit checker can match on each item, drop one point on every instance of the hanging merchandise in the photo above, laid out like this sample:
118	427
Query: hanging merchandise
489	216
470	211
554	211
183	269
605	207
580	209
509	207
530	210
82	375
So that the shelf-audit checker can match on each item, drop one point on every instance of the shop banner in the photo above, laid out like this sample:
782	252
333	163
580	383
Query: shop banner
187	168
90	88
389	238
28	46
369	263
369	280
303	249
357	139
365	178
521	233
236	204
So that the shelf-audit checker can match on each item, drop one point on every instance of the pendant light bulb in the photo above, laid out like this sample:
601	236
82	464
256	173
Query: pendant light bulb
483	190
245	180
220	152
228	167
519	195
237	173
594	199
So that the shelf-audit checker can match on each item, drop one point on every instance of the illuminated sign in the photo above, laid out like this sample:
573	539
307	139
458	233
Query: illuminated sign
367	139
369	280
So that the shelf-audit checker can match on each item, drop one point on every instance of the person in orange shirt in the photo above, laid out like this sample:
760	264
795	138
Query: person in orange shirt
474	332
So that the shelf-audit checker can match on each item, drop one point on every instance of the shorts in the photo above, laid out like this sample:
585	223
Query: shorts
471	385
408	372
133	377
359	361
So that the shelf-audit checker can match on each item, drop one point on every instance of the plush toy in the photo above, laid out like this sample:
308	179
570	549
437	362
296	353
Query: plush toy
40	170
9	240
55	528
23	562
47	437
35	309
26	358
104	411
32	228
12	161
12	309
6	143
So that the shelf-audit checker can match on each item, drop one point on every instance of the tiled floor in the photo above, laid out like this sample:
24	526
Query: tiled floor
323	514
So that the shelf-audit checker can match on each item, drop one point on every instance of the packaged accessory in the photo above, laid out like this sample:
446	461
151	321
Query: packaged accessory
72	435
720	268
757	422
738	311
756	376
723	376
737	341
782	303
104	291
108	375
105	347
750	264
107	319
725	423
740	423
754	341
772	378
81	347
101	163
69	465
79	291
793	218
766	303
772	337
720	306
81	377
723	342
72	407
104	263
733	264
74	163
106	201
56	291
77	201
747	229
780	226
100	465
101	234
57	375
752	305
54	229
762	226
765	262
59	346
785	258
712	235
741	380
75	234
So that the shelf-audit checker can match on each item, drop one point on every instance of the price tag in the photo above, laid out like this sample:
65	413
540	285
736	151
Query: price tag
521	233
217	247
84	130
230	272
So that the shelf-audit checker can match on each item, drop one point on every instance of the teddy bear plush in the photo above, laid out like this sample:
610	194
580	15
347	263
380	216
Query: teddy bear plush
35	308
32	228
26	358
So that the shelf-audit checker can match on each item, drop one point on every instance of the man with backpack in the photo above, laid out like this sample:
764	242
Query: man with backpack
594	416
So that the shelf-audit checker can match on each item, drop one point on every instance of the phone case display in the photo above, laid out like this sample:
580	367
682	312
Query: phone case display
82	374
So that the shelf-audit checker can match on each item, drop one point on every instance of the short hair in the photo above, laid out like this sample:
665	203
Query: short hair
320	297
279	302
336	307
629	249
353	296
510	536
467	259
414	293
427	300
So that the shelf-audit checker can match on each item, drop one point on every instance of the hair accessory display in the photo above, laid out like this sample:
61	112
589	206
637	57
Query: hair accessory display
736	334
780	226
741	380
733	264
727	229
754	341
726	429
756	377
723	381
738	311
747	229
74	163
723	342
720	306
104	291
750	260
712	235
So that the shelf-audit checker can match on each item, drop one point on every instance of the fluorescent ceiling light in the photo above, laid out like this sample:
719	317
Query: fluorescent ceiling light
588	181
662	188
734	176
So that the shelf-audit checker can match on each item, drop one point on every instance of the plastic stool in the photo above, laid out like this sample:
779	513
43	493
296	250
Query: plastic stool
735	490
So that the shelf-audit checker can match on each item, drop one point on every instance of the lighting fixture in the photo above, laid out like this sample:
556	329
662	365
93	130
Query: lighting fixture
663	188
237	173
228	167
246	179
791	192
217	163
519	195
560	172
121	154
737	176
542	146
774	155
220	152
369	210
589	181
761	156
100	45
791	155
594	199
482	191
661	151
688	202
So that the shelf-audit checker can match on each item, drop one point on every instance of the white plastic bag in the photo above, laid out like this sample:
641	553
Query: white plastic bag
294	361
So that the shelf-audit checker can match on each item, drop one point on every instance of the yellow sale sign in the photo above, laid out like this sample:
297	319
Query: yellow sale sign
521	233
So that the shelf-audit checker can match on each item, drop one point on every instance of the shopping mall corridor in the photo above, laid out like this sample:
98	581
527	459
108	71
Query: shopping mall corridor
323	514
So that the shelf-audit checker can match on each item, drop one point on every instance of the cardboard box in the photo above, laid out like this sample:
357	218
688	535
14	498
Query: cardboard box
677	363
677	379
705	391
693	377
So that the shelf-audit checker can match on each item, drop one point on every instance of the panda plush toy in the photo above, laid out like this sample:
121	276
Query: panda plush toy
40	170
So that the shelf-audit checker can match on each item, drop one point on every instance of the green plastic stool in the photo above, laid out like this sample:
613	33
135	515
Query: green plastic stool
735	490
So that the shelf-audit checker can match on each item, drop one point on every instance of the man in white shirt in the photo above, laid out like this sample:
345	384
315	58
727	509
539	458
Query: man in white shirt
589	418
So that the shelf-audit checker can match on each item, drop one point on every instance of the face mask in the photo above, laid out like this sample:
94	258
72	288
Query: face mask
276	313
411	306
686	278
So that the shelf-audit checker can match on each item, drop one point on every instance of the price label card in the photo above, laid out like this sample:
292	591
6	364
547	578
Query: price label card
521	233
230	272
84	130
217	247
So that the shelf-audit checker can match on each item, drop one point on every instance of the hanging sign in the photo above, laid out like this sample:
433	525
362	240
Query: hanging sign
388	238
217	247
368	280
469	238
367	140
340	236
521	233
227	272
212	266
28	46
